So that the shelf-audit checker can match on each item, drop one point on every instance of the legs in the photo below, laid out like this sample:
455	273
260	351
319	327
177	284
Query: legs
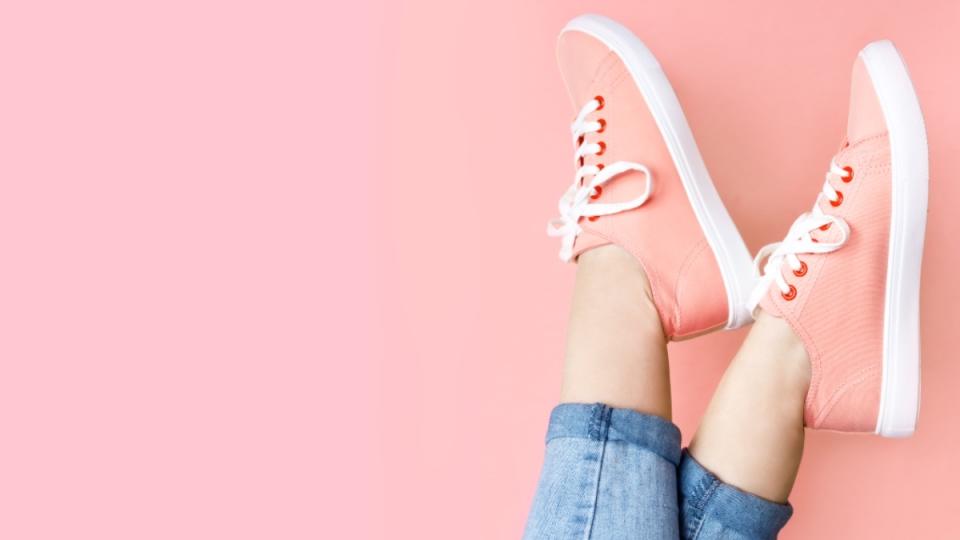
742	462
616	350
610	471
752	433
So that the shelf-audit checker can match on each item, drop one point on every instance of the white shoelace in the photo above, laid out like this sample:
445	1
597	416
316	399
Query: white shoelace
799	241
576	201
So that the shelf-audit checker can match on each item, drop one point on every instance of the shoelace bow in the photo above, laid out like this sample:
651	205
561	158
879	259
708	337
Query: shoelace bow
799	240
576	201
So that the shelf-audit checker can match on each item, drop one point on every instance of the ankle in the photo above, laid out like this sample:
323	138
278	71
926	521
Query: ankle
612	277
784	350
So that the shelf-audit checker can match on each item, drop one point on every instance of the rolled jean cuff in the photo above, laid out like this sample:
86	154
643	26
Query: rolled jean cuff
706	498
602	423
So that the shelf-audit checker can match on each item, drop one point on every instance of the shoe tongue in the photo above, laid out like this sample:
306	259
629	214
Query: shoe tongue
865	117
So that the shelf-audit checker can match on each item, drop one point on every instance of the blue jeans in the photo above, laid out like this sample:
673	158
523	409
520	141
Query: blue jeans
615	473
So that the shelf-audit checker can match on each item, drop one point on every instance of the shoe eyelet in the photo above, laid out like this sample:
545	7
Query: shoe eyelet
603	148
839	200
596	195
802	271
603	125
581	162
825	227
593	218
789	295
849	177
601	102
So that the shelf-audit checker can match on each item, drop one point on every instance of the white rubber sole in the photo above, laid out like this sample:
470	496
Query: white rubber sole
900	386
732	256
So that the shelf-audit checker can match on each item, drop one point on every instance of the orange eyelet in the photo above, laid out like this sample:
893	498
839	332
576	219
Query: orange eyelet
849	177
603	125
839	200
802	271
581	161
593	218
596	195
600	101
825	227
603	148
599	167
789	295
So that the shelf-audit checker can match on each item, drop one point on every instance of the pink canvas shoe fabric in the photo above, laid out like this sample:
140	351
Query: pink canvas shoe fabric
838	309
663	233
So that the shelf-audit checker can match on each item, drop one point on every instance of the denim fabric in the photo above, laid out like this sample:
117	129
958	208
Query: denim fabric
711	509
608	473
614	473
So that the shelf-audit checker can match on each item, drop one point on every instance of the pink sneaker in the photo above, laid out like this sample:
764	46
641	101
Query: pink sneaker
641	184
847	276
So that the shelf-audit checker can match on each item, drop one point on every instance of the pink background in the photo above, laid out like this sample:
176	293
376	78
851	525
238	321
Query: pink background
278	269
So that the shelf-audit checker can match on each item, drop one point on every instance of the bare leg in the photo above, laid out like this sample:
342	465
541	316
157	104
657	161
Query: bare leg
752	433
610	469
616	350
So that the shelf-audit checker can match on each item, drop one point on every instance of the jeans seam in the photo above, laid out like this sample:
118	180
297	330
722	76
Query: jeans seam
702	504
588	531
599	431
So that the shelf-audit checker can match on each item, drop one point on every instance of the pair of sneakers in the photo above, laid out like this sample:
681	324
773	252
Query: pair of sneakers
846	276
